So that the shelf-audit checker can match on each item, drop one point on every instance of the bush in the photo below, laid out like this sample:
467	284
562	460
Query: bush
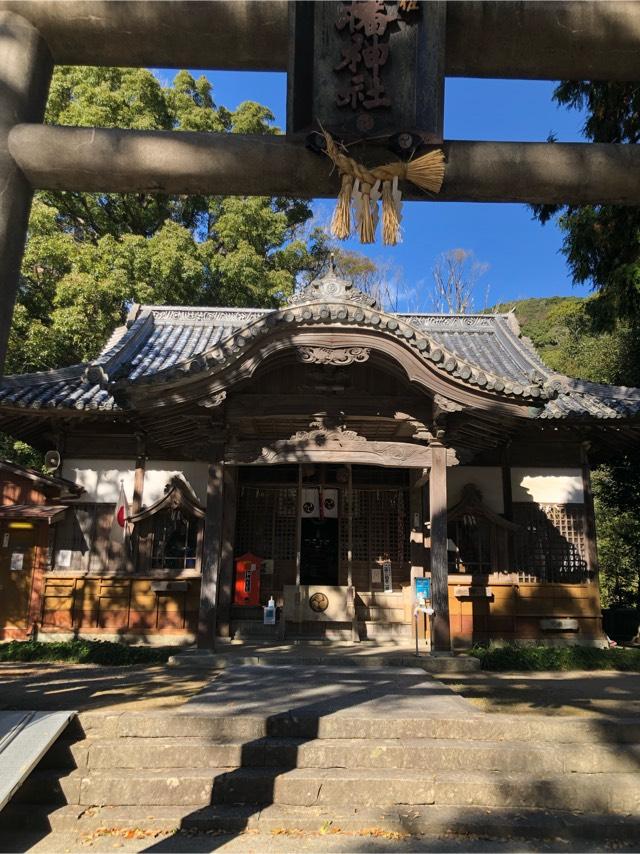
514	656
84	652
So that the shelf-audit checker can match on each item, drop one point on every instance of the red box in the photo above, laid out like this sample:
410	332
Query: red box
247	585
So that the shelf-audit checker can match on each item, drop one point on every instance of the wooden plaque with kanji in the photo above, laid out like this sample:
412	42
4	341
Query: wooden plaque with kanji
367	68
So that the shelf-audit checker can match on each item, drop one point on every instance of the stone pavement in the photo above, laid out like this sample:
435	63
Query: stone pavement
386	692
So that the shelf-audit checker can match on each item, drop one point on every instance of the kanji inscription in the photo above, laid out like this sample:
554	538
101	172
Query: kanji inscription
366	67
366	53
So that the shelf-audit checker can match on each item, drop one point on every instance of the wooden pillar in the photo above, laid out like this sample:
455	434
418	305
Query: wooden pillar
439	563
138	480
299	526
211	557
351	593
227	549
25	73
416	543
507	500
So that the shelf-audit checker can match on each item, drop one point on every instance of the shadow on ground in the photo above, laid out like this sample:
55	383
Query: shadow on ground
49	687
606	693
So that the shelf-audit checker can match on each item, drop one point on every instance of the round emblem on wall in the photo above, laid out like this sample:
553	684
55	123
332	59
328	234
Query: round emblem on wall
318	603
329	504
308	507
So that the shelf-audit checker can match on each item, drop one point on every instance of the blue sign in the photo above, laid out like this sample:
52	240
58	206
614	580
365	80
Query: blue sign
423	588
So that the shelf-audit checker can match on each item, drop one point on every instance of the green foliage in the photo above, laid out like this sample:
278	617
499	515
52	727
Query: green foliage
602	242
90	255
616	491
19	452
84	652
514	657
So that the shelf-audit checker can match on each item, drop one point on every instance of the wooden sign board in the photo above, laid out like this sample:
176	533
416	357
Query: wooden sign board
367	68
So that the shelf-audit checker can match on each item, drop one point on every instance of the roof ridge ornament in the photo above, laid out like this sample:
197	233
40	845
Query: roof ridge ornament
333	288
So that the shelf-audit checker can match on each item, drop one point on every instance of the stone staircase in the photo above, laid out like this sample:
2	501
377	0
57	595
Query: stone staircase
490	774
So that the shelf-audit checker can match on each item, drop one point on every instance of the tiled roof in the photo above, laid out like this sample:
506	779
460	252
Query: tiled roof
487	351
47	513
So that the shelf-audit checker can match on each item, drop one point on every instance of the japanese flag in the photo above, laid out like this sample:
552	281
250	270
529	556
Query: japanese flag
119	524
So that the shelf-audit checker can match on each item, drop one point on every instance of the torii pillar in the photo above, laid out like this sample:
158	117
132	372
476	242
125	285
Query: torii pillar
25	73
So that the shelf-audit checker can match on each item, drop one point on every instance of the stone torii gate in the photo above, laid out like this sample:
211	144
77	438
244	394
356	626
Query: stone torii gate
597	39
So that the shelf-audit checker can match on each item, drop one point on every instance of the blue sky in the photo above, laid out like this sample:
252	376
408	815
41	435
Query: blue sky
523	257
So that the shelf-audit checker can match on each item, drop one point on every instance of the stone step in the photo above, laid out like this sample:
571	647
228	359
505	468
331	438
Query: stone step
416	754
304	787
379	629
382	600
376	613
428	820
527	728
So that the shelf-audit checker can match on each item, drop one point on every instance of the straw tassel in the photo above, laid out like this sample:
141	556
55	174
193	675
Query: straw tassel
391	216
362	185
341	221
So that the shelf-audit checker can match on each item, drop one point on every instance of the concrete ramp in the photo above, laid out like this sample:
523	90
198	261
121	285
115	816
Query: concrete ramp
25	737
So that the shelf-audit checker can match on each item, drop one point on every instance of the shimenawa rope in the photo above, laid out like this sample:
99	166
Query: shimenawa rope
364	186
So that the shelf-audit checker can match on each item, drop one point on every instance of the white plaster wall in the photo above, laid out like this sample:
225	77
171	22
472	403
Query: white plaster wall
101	478
488	479
159	472
547	485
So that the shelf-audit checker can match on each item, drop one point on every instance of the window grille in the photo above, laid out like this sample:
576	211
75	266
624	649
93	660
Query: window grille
380	524
551	543
266	521
175	541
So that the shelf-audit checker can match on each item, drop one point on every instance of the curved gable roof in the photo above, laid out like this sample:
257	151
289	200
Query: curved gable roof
160	343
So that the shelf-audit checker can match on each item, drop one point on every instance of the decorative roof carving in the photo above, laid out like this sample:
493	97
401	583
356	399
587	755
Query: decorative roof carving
178	497
214	401
331	287
472	504
333	355
334	444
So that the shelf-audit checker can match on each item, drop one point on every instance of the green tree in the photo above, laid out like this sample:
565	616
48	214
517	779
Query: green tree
602	247
90	254
602	242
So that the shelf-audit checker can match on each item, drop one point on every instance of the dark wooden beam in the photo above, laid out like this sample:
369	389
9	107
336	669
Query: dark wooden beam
551	40
113	160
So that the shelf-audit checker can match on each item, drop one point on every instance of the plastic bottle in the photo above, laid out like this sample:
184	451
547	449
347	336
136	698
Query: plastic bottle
270	612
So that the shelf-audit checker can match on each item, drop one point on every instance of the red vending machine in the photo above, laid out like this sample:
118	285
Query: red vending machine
247	586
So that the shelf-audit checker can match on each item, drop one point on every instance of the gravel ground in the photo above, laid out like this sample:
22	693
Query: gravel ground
251	842
605	693
45	687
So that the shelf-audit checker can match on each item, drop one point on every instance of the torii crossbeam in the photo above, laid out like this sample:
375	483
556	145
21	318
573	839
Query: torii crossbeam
551	40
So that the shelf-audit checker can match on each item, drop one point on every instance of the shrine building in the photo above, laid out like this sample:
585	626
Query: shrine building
327	454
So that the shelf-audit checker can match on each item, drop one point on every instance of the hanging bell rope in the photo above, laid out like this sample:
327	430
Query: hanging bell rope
363	187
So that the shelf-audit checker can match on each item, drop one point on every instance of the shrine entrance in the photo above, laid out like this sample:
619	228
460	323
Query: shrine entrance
335	545
319	557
